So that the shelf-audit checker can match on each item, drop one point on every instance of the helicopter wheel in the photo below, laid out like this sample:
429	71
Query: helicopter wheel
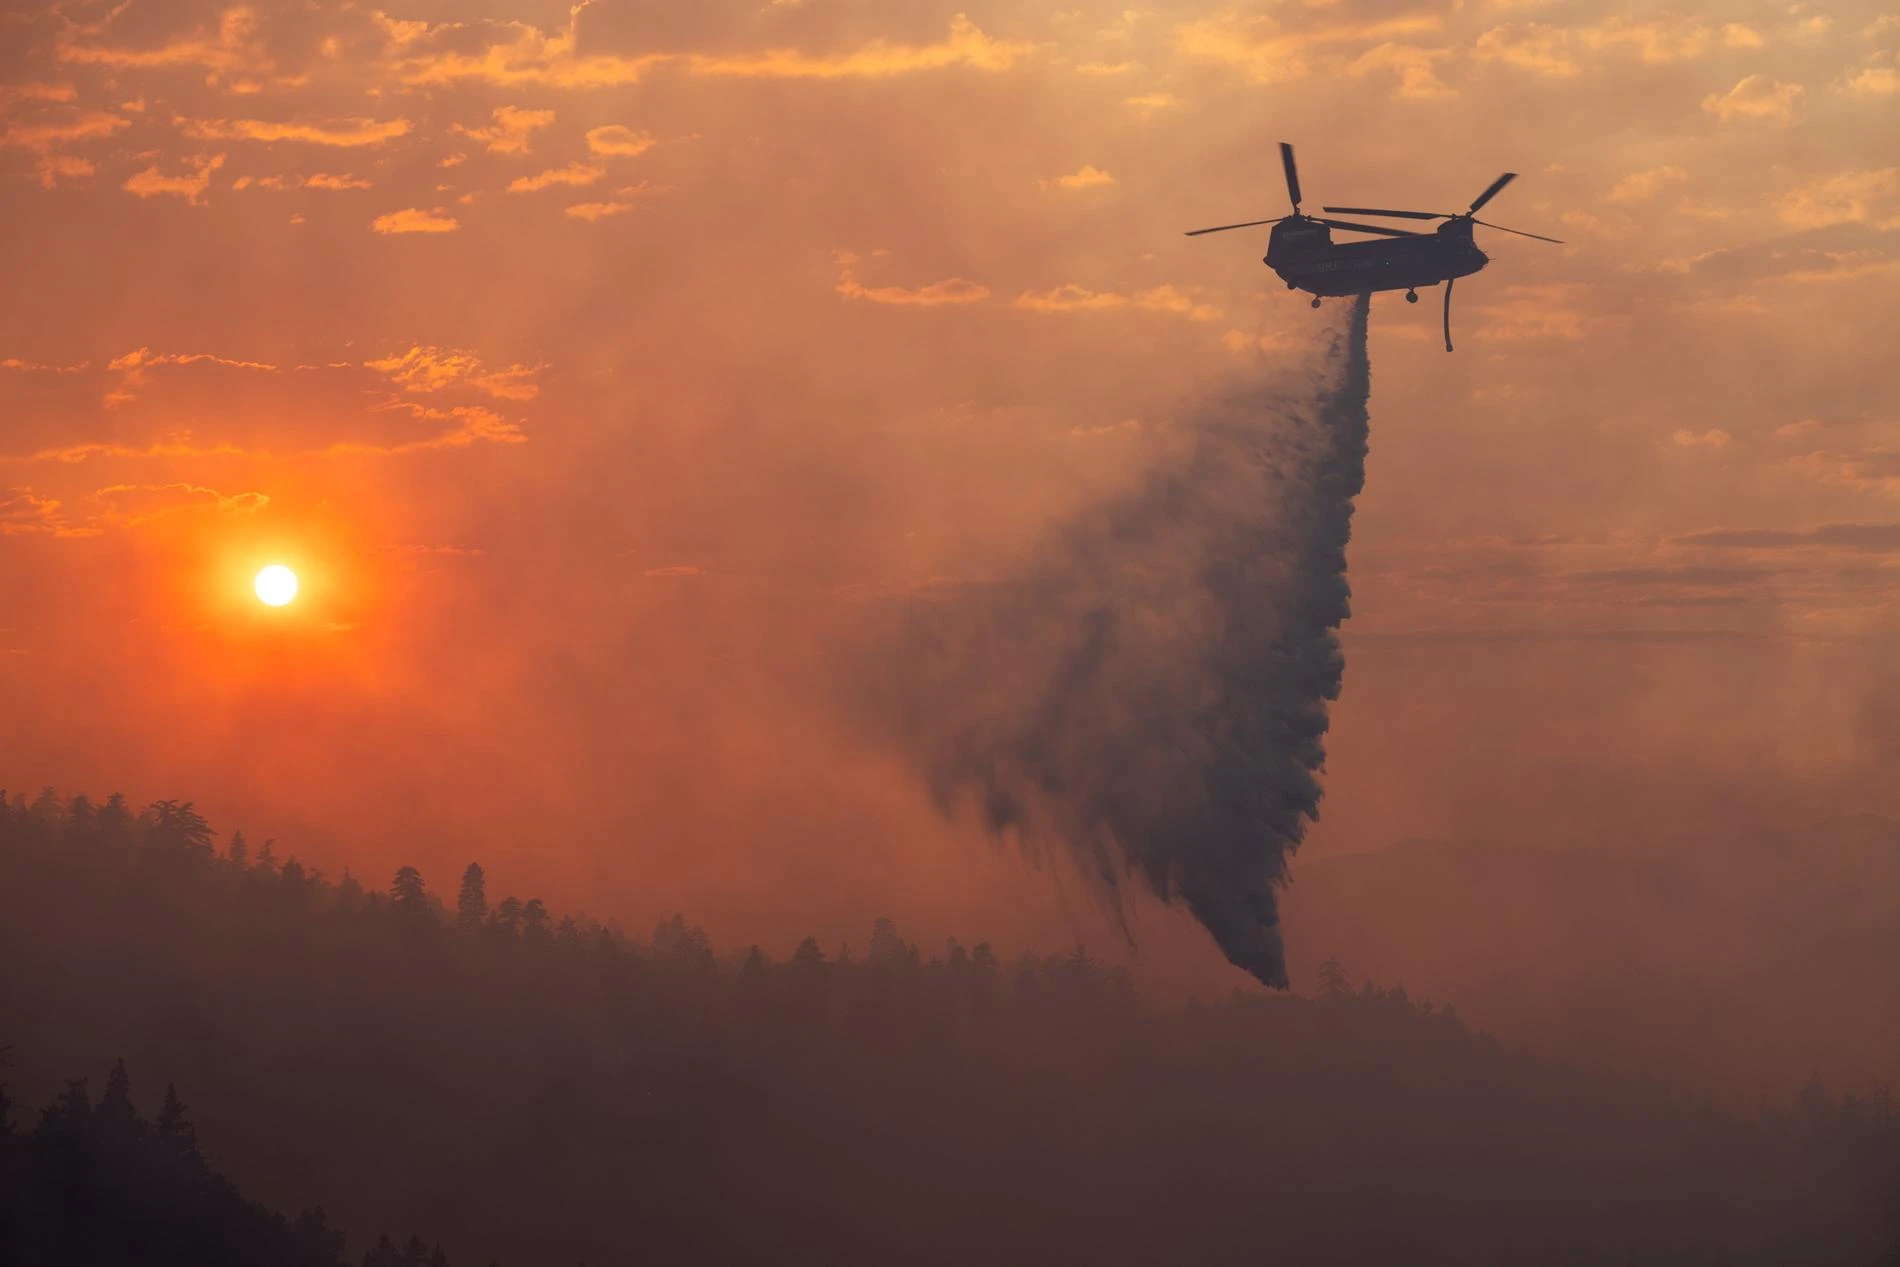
1316	301
1411	296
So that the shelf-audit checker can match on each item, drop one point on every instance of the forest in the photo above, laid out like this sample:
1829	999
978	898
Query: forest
96	1183
538	1089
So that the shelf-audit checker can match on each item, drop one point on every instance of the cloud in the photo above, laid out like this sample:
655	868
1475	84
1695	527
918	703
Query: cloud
12	95
1875	81
45	135
510	132
127	505
1666	38
38	367
316	180
1713	438
1270	52
1873	470
23	512
1689	576
134	367
232	46
144	358
1737	265
1085	177
1417	80
431	369
1528	313
151	182
472	425
1642	186
596	211
1564	52
524	55
1869	197
678	569
415	220
614	140
1071	297
953	290
1240	341
965	45
341	133
1542	50
572	174
54	168
1756	97
178	445
528	55
1148	102
1873	538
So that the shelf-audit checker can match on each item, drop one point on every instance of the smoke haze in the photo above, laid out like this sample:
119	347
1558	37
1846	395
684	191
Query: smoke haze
1153	688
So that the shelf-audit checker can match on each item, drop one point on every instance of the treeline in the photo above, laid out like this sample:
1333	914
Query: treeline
550	1090
100	1185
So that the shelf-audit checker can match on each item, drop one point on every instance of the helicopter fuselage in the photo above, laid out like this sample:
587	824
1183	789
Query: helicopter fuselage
1302	251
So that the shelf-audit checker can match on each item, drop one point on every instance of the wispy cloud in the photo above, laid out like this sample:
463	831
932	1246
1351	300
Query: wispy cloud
1076	298
338	133
1087	176
415	220
190	186
432	369
572	174
511	130
614	140
1756	97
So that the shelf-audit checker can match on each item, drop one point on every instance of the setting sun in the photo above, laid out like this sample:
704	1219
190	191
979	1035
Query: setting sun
276	585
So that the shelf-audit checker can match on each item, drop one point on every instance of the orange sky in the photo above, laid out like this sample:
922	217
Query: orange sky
593	368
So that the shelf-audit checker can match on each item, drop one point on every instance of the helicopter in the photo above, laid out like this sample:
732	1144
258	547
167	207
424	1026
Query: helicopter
1302	251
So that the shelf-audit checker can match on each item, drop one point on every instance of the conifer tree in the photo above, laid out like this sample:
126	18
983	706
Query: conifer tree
471	906
176	1134
408	894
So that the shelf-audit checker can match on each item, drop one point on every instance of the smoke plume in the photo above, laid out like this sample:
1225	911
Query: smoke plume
1152	688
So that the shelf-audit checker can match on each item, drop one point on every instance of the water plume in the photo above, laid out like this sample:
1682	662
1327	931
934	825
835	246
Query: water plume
1151	688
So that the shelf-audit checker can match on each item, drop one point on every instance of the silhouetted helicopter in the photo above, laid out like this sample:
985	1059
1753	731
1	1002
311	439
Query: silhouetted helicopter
1302	251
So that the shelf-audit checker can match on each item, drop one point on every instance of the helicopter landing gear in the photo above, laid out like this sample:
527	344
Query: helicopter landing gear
1411	296
1316	301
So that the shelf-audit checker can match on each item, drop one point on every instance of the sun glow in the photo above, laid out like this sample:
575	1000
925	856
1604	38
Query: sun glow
276	585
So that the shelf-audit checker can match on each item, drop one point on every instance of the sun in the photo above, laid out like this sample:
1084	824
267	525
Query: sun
276	585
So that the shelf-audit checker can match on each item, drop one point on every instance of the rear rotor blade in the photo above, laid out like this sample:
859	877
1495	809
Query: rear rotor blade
1380	211
1292	174
1222	228
1492	192
1500	228
1370	228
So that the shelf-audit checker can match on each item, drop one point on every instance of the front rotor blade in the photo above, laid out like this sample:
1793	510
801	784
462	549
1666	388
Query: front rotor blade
1292	174
1370	228
1222	228
1492	192
1380	211
1500	228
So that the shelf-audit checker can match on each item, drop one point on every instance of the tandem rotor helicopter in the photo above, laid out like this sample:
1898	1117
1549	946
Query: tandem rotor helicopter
1302	251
